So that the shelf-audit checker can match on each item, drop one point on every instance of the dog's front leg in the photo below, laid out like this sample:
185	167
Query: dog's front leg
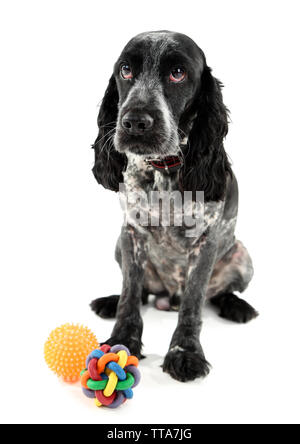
185	360
129	325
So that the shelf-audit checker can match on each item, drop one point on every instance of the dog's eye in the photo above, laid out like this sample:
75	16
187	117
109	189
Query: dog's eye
177	75
126	72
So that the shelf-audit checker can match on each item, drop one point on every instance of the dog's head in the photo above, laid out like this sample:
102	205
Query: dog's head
161	93
157	76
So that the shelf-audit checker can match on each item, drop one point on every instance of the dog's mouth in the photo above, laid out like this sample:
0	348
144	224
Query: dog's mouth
151	144
140	145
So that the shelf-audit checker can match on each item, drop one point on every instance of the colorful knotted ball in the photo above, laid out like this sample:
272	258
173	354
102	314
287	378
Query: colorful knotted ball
110	375
67	348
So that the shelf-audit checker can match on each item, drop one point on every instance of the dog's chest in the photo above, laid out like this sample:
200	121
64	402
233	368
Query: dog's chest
170	248
156	206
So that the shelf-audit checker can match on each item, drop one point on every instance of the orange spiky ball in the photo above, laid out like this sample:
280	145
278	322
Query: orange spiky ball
67	348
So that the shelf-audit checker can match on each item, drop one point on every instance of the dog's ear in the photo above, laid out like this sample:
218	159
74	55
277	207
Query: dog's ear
206	163
109	163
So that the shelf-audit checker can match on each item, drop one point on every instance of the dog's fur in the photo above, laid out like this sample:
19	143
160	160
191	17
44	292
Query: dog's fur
182	272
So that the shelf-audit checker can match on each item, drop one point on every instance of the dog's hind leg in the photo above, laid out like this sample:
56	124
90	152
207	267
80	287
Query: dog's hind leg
234	308
106	307
232	273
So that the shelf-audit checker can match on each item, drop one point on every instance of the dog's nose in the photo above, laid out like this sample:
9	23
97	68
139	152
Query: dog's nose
137	123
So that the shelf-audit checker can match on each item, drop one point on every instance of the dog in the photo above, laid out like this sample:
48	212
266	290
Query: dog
161	124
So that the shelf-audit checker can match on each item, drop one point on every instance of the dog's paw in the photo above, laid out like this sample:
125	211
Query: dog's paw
134	345
185	365
106	307
234	309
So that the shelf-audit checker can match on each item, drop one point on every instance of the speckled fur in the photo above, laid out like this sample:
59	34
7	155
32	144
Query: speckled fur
171	256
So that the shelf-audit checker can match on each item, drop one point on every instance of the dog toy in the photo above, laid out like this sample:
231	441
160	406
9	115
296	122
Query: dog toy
110	375
67	348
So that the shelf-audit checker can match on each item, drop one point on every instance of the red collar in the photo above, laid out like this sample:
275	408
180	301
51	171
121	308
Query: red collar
169	163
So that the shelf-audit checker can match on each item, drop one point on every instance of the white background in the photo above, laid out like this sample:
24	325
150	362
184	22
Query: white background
58	227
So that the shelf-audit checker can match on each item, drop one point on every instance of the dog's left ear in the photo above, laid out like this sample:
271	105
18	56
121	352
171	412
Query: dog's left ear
109	163
206	164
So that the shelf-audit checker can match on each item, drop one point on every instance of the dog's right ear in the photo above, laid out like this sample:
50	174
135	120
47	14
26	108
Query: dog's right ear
109	163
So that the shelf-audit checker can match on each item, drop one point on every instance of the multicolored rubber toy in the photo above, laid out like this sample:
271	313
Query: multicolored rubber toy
67	348
110	375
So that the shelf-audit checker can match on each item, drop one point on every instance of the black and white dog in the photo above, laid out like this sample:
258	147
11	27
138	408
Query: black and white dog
161	127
